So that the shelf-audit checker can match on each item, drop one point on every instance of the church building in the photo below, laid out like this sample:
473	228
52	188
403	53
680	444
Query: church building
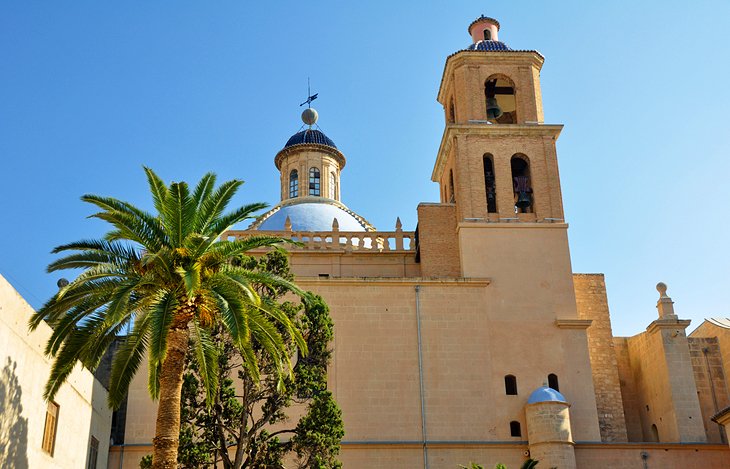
470	338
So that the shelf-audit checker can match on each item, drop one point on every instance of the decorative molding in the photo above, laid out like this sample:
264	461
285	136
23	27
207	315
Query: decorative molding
573	323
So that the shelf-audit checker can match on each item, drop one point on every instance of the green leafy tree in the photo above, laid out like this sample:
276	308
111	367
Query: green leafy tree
167	277
236	431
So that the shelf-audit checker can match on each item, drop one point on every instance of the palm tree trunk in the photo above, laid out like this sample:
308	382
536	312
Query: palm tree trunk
167	432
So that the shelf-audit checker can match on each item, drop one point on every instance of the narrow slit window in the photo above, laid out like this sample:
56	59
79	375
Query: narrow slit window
314	184
490	184
553	381
49	431
293	184
514	428
510	385
452	195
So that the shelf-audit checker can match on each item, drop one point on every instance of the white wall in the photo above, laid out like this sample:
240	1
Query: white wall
23	372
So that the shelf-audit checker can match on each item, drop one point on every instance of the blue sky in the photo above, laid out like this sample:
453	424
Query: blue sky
91	91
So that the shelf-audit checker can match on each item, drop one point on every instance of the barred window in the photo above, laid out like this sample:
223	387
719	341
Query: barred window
314	181
293	184
49	431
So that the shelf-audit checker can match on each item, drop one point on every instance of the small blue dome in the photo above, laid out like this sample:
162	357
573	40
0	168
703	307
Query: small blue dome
489	45
545	394
310	136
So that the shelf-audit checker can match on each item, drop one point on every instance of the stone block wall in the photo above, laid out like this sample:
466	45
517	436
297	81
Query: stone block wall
438	243
711	385
592	303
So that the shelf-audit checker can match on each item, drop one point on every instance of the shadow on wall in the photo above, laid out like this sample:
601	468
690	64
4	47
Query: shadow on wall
13	426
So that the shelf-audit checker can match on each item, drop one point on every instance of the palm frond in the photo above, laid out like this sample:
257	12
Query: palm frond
211	207
158	189
206	357
162	312
127	360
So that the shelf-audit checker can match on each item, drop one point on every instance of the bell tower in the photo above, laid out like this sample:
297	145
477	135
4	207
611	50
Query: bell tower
497	161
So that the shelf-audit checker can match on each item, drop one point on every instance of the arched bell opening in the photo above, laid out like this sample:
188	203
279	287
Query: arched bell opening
501	103
521	181
293	184
451	112
490	185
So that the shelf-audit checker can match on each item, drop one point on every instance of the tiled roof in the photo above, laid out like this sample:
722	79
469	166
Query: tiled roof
310	136
489	45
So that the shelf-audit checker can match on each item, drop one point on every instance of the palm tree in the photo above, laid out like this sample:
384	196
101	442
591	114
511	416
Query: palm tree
167	278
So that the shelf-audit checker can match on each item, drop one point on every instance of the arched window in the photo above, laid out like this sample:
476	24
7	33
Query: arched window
489	184
501	105
487	35
333	185
510	385
293	184
514	428
452	195
553	381
654	433
521	182
314	181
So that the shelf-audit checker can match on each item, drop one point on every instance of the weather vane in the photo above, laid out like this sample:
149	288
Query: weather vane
310	97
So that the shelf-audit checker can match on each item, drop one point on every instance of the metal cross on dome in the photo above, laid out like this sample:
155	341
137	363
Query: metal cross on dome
310	97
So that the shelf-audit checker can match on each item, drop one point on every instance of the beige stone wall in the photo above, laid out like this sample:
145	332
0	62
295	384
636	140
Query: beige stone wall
82	400
708	329
711	385
592	303
629	392
623	456
438	244
662	369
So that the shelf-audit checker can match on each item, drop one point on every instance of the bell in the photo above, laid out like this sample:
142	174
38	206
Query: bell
523	200
493	109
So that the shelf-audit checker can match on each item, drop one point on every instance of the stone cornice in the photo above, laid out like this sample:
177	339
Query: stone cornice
333	152
393	281
668	324
489	130
462	57
515	224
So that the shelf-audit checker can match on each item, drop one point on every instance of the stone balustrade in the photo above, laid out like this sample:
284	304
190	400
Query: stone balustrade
347	241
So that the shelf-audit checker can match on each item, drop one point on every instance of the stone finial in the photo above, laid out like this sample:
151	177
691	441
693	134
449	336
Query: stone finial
335	225
287	223
665	305
398	224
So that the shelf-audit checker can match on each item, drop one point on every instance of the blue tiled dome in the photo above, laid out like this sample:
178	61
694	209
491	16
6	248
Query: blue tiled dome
489	45
310	136
545	394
